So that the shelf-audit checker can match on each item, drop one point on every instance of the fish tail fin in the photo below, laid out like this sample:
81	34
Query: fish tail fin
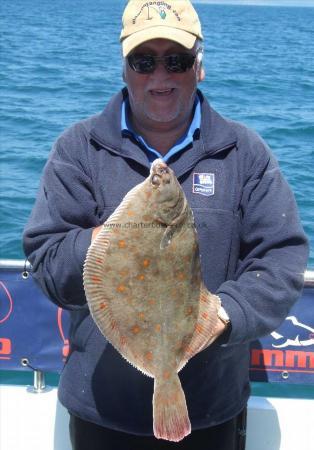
171	418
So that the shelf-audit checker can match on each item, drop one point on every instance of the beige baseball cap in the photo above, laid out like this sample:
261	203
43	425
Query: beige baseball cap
142	21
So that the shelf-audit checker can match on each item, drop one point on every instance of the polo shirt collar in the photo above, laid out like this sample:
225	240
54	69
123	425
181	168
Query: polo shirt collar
181	144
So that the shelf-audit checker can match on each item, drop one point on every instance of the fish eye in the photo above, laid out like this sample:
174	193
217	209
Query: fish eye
156	180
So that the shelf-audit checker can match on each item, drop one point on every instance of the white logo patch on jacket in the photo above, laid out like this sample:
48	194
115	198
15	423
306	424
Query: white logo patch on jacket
204	183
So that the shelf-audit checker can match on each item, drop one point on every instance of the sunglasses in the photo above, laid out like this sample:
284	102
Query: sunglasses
176	63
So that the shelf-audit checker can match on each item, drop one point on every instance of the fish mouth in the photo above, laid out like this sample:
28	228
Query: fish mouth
160	173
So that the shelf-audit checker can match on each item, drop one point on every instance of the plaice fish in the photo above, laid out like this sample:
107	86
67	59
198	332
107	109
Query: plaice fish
143	285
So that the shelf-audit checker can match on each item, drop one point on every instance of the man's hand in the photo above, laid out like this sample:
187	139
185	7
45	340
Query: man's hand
221	319
210	321
219	329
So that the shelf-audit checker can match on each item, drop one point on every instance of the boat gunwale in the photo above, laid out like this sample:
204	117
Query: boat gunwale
25	265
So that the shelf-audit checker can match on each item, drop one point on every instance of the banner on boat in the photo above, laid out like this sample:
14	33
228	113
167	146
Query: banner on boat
33	331
287	354
34	335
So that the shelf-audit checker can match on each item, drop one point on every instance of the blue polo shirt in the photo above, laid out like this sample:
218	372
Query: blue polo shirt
181	143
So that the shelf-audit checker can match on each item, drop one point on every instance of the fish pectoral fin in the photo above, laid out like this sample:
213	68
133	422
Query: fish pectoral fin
170	414
167	237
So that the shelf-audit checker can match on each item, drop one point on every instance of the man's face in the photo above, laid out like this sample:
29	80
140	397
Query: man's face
161	97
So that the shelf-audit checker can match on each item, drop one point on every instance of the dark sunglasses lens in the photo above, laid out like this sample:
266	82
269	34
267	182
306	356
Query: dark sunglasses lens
142	63
179	63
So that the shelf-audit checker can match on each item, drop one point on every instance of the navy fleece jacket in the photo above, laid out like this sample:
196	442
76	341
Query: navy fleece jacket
253	255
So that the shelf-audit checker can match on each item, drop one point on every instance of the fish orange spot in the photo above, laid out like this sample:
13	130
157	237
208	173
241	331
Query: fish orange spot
166	375
199	328
123	273
189	311
158	327
146	263
99	261
141	277
121	288
130	213
141	315
113	324
149	356
103	306
152	301
205	315
122	243
96	279
136	329
181	276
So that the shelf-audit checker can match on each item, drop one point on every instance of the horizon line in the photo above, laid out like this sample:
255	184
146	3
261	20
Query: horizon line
278	3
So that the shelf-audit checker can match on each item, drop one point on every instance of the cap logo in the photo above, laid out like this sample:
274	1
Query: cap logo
157	7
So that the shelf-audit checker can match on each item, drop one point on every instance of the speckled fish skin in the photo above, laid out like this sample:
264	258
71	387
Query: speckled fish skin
142	280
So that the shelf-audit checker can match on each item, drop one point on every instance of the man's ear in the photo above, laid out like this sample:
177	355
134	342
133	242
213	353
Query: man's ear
123	69
201	73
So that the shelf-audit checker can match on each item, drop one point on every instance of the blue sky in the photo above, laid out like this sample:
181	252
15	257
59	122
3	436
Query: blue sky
262	2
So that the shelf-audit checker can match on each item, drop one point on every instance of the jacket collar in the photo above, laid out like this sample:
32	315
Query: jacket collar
216	135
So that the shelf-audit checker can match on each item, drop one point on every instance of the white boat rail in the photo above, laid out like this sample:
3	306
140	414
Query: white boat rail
24	265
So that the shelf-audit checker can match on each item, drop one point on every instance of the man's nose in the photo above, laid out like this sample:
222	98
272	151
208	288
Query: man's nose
160	70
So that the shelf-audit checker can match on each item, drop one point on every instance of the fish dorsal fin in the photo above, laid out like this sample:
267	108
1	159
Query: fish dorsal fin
94	282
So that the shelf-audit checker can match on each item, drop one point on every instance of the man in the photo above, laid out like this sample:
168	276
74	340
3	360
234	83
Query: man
253	249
